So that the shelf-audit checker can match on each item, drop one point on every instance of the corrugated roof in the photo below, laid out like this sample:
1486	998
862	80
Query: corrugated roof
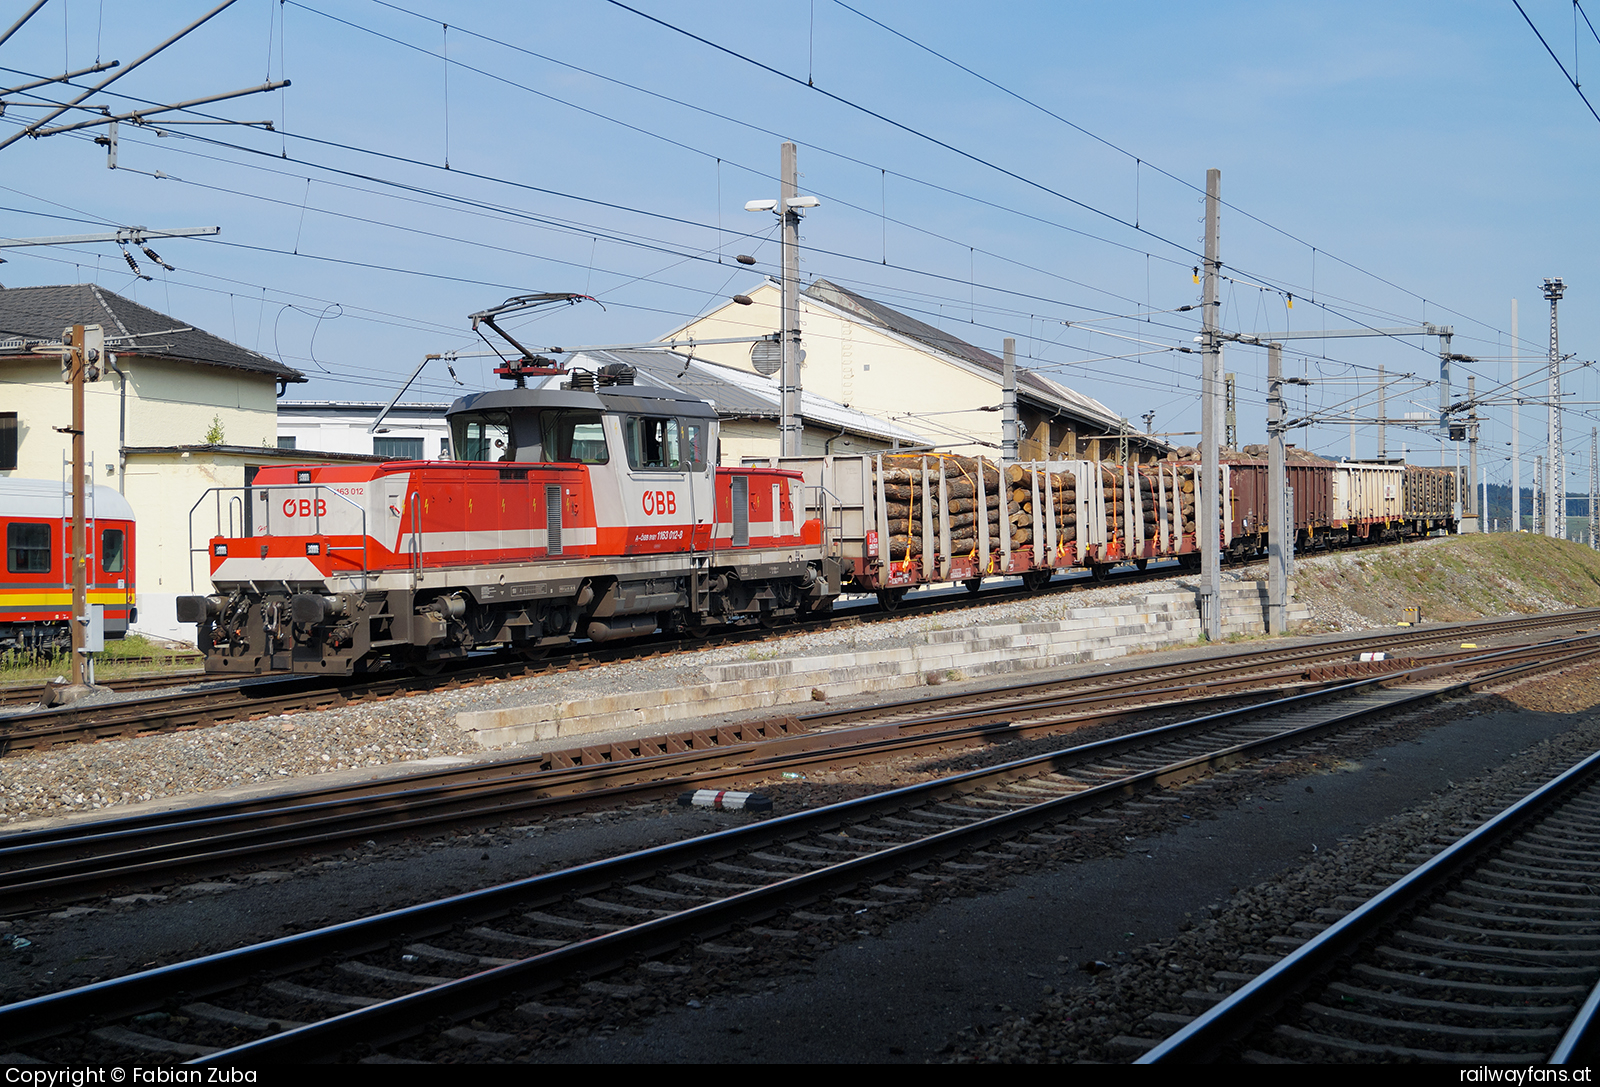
743	394
1028	382
32	314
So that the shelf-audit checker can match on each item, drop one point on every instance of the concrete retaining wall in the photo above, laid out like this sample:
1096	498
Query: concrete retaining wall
1161	620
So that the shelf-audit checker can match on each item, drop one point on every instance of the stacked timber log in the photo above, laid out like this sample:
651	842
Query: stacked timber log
906	504
1058	492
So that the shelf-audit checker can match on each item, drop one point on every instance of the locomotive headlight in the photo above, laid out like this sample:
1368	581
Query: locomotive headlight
220	550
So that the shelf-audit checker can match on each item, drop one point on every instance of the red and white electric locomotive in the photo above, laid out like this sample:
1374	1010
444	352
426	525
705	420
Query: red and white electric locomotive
593	509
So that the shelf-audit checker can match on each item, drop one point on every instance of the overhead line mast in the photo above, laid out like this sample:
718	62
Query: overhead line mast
1555	485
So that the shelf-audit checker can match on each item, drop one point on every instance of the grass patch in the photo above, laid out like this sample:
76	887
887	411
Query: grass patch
131	656
1456	578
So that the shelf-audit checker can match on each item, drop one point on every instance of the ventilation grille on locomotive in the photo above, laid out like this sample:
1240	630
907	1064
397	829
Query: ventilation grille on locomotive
552	520
741	511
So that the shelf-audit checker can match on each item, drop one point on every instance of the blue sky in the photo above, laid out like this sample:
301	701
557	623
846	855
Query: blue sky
1387	164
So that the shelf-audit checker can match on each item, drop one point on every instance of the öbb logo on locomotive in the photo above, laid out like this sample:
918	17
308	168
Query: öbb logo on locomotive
546	528
305	507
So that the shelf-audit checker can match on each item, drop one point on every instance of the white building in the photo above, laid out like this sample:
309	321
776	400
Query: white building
408	432
877	361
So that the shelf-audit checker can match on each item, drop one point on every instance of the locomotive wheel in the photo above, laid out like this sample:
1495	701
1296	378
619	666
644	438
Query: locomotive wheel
1035	580
889	599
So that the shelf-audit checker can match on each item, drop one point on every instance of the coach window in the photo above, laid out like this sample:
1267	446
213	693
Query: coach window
654	442
574	437
111	550
28	548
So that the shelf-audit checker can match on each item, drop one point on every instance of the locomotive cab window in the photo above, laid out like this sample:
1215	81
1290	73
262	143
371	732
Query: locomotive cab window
28	548
666	443
485	437
575	437
111	550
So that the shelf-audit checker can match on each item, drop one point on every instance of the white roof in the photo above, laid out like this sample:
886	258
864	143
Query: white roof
737	392
42	498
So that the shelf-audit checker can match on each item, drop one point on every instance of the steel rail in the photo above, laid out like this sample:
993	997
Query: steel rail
1225	1023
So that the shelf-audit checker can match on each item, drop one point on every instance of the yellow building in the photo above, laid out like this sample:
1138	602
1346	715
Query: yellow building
881	362
172	398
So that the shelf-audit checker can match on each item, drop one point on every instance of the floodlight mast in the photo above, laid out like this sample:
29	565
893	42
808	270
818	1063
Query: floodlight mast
788	207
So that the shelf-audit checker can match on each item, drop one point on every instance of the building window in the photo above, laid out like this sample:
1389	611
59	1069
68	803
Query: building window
398	448
285	441
27	548
8	440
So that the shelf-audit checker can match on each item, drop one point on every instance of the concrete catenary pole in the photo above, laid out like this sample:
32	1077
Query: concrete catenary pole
1008	402
1207	494
1383	414
1516	424
1594	485
1279	543
1538	493
791	427
1478	510
1555	482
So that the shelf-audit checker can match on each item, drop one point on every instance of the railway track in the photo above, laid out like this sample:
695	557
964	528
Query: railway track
1486	954
43	868
652	915
226	701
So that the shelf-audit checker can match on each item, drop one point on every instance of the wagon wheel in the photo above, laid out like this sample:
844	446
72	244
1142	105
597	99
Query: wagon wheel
889	599
533	653
973	584
1035	580
1140	564
1099	571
